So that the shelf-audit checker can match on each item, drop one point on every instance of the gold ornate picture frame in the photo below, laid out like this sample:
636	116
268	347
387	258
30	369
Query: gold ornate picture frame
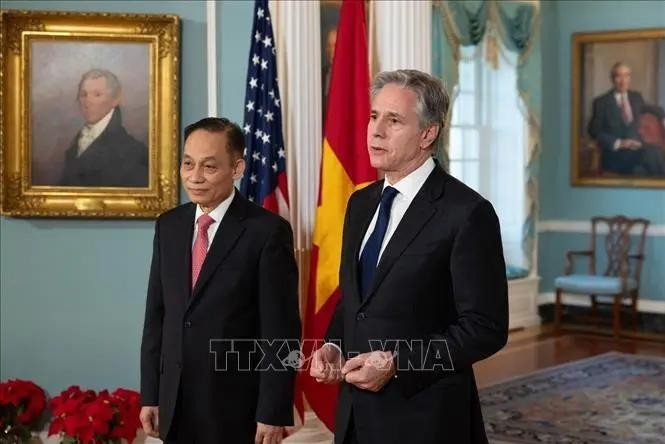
89	120
618	108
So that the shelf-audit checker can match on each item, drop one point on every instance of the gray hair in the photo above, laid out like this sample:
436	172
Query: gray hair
112	82
432	99
615	68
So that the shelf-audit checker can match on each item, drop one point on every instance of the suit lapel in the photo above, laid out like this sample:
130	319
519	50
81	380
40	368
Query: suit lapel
226	236
185	245
635	106
615	109
617	112
420	211
367	208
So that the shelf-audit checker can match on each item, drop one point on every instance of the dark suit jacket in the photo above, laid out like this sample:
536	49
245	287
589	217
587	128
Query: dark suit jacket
114	159
441	278
247	289
607	125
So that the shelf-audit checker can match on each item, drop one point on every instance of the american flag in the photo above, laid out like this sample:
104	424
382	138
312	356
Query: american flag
264	181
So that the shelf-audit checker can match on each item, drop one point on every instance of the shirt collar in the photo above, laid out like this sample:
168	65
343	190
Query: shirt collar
96	129
219	211
409	185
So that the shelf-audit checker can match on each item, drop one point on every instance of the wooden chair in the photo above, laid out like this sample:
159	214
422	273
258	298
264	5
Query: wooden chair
589	158
623	245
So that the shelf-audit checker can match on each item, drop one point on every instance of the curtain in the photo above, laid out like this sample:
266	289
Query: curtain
457	24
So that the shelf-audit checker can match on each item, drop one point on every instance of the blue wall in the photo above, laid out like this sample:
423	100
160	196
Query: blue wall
72	292
558	199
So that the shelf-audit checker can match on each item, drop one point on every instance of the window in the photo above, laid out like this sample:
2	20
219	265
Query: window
488	136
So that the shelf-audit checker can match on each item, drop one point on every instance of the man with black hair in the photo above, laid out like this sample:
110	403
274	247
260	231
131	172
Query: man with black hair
222	297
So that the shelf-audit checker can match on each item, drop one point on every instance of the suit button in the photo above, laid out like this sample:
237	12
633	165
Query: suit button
188	324
361	316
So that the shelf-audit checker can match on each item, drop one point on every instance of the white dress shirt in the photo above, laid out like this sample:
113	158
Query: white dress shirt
217	214
407	189
618	97
90	132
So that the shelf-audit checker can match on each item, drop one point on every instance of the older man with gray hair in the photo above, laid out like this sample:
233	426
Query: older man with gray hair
103	153
423	284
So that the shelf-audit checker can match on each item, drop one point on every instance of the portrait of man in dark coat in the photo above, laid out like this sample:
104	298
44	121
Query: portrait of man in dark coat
103	153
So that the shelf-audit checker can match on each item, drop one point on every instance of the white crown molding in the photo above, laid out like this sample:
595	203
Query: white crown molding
584	226
643	305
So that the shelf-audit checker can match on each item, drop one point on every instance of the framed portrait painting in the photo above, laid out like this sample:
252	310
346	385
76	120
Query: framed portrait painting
329	19
90	105
618	115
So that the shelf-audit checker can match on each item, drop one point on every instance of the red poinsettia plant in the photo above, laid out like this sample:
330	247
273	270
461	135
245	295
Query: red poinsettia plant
22	406
87	417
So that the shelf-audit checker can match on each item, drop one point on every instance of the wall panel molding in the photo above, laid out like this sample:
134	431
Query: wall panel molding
584	226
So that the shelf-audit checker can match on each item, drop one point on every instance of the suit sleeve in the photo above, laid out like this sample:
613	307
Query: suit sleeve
638	105
596	125
279	325
480	293
151	343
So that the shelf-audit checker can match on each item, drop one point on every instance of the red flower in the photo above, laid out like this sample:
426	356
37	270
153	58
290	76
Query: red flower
56	426
70	400
10	393
95	418
22	403
34	403
100	413
129	407
73	425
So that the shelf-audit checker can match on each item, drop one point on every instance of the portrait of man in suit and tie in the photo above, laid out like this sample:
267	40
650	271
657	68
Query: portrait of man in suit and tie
223	276
617	77
422	281
614	126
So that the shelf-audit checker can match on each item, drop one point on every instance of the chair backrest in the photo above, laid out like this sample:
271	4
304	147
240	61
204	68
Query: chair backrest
623	240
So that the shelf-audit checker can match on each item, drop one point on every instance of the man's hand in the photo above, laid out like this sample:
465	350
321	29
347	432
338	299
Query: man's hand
630	144
268	434
149	418
327	363
370	371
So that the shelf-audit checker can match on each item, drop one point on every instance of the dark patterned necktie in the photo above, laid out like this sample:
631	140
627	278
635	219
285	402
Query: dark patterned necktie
370	255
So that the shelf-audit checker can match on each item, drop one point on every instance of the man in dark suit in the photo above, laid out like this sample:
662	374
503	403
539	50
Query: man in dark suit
103	153
423	284
613	125
222	298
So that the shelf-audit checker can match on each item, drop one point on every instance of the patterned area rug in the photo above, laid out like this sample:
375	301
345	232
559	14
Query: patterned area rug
613	398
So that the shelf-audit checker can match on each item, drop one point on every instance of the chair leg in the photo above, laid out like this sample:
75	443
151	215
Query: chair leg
634	309
616	323
557	312
594	310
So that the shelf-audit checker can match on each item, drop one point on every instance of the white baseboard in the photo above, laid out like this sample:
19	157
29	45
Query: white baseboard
584	226
643	305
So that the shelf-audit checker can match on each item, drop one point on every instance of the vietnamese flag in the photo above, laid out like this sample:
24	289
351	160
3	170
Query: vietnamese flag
345	168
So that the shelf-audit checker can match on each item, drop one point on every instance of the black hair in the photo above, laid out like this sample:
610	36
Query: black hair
234	135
